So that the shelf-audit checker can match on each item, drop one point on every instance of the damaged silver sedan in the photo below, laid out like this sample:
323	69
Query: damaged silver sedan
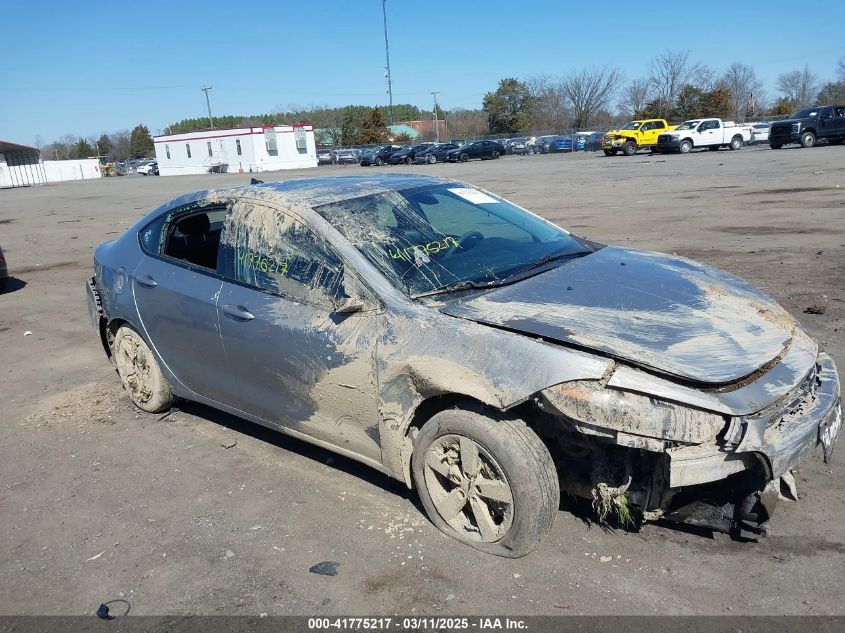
470	349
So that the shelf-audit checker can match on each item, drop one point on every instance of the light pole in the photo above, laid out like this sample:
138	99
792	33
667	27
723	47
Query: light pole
434	94
387	55
205	89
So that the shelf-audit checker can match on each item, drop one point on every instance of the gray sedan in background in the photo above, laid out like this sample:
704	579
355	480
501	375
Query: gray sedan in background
470	349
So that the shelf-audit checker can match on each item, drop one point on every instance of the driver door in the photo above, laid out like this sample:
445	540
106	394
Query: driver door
292	358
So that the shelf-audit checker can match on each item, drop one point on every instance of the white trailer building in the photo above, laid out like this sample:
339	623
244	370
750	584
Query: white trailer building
248	149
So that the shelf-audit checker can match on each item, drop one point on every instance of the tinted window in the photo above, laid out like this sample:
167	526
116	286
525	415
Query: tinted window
278	254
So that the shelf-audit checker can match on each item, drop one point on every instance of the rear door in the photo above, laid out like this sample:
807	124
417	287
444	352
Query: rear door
175	289
290	358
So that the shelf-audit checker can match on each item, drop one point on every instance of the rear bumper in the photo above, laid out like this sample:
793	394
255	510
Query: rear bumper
781	446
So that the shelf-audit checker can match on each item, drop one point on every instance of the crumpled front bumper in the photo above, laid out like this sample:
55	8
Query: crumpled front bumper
781	445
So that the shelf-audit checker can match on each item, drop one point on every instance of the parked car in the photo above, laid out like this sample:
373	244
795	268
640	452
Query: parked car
347	157
148	169
594	142
476	149
558	144
434	154
4	270
541	144
378	156
701	133
807	126
408	153
580	139
325	156
469	349
517	145
760	132
634	136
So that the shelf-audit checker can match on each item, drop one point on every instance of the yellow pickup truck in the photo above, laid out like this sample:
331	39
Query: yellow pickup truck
635	135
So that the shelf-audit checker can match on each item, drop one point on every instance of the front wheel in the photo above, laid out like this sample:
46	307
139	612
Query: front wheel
685	147
736	143
494	155
379	162
808	139
140	372
431	160
490	483
409	161
629	148
610	152
464	157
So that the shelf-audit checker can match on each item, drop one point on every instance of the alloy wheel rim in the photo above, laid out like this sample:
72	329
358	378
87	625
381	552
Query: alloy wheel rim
468	488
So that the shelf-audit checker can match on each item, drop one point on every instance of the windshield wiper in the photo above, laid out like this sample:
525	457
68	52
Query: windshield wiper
546	260
466	284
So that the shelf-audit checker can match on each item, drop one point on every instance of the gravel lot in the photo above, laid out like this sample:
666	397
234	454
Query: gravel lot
200	513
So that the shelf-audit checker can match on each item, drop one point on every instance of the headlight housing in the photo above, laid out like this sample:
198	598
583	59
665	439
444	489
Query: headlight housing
588	402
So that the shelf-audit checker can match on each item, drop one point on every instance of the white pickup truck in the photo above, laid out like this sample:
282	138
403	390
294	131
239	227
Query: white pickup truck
710	133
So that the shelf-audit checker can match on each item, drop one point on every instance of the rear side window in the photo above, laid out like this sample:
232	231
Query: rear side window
277	253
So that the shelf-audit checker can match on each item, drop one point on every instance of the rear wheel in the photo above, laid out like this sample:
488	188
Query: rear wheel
685	147
140	372
736	143
488	482
808	139
835	141
629	148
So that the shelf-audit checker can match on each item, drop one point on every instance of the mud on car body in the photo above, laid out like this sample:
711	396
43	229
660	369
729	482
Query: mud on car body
469	348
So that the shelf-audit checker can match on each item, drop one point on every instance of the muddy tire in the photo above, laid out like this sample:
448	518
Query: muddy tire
685	147
808	139
487	482
629	148
736	143
138	368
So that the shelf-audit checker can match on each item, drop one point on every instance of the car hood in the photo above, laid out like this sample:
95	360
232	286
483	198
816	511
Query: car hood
787	122
663	313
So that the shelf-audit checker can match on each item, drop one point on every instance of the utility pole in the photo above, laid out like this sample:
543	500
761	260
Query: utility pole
387	55
434	94
205	89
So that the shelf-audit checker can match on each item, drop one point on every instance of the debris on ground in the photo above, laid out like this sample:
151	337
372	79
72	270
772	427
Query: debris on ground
27	333
326	568
613	500
229	444
814	309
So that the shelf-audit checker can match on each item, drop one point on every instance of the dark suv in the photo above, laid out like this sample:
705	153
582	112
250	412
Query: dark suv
808	125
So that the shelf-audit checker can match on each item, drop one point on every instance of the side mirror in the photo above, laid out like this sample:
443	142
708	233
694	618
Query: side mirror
349	305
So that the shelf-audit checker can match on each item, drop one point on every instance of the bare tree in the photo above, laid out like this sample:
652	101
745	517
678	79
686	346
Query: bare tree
672	70
798	86
840	69
550	111
589	91
635	96
745	88
462	123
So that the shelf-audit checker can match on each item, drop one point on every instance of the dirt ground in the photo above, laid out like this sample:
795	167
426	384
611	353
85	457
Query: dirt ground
200	513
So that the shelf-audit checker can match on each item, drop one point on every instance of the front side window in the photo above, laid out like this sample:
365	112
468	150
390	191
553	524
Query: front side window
430	238
188	149
633	125
276	253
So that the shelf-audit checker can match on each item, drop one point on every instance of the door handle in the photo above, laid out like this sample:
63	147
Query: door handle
238	313
147	281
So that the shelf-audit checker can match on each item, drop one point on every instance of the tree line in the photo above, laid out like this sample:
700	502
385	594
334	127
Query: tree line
675	87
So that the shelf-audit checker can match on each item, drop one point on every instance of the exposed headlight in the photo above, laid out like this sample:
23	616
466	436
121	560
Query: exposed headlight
587	402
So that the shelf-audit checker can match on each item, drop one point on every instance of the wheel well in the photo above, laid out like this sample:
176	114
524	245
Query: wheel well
429	407
809	130
107	331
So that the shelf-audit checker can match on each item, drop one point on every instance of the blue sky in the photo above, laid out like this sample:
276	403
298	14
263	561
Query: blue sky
87	67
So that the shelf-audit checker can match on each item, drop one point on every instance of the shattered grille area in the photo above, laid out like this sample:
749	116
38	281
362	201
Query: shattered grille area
795	402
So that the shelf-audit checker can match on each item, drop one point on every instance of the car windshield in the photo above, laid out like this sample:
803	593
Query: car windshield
448	236
805	114
687	125
633	125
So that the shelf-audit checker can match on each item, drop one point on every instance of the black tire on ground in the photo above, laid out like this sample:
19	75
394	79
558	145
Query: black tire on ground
629	148
495	154
610	152
685	147
808	139
409	161
775	145
379	162
140	373
464	157
431	159
736	143
514	488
